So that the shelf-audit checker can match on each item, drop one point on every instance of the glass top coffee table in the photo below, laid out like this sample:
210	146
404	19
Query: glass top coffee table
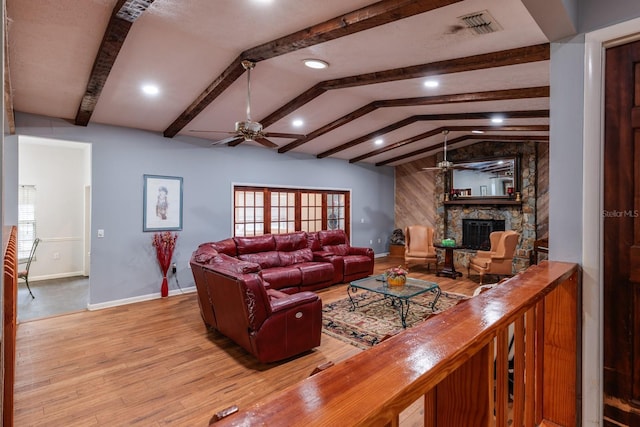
399	296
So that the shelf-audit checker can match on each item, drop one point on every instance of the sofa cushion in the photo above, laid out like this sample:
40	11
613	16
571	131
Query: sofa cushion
268	259
295	257
226	246
290	241
313	241
356	264
282	277
333	237
249	245
315	272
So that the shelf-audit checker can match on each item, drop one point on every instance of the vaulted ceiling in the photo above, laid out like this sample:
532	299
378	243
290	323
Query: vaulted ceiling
87	61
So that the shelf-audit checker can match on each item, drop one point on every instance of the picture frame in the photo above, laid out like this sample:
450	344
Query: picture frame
483	190
162	203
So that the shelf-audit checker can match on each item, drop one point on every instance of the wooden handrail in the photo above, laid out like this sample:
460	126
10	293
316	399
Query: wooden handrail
9	295
447	362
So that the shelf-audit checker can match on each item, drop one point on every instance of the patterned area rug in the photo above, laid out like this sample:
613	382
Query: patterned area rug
367	325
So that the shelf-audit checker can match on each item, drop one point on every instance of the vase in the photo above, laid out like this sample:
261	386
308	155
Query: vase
164	289
397	281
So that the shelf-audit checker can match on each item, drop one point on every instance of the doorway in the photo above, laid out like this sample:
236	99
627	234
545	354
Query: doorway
59	172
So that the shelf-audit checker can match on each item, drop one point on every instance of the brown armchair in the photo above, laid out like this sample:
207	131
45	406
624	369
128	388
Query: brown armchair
499	259
419	246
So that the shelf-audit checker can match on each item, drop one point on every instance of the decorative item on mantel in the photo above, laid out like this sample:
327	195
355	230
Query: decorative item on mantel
164	243
396	276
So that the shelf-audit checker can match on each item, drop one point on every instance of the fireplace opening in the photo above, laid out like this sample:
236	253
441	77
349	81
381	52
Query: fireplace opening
475	232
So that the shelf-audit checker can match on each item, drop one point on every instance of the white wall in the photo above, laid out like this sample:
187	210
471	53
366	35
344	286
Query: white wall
60	171
123	263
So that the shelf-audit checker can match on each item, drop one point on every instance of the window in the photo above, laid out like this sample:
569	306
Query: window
271	210
26	220
249	213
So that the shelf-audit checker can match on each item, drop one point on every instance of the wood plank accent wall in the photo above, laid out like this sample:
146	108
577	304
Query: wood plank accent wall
542	191
415	194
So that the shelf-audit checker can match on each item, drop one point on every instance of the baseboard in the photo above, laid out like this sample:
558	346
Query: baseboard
132	300
56	276
381	255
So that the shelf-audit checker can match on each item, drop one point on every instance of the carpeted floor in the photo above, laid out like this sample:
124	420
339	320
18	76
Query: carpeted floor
368	324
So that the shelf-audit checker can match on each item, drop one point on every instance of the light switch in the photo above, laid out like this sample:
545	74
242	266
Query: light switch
101	233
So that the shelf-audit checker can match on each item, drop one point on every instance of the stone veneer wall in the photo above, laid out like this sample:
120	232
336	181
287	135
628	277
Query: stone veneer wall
519	218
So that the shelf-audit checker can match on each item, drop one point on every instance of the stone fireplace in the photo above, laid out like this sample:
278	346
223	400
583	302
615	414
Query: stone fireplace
520	217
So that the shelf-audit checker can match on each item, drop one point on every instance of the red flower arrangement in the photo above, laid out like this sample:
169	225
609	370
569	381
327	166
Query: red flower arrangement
164	243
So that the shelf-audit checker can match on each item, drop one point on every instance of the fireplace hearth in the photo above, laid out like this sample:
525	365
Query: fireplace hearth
475	232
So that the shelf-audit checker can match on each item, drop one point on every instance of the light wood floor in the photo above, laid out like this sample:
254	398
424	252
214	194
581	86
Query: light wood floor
153	363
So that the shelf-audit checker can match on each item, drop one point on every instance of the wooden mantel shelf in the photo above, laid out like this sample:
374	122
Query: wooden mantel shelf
487	201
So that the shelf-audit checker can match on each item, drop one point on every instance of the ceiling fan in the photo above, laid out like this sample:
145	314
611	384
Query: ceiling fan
444	165
248	130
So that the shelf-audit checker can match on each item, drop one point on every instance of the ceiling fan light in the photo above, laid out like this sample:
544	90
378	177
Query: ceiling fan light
431	83
316	64
497	120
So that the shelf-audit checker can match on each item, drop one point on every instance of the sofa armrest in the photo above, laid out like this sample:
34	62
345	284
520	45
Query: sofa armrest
483	254
300	298
354	250
322	256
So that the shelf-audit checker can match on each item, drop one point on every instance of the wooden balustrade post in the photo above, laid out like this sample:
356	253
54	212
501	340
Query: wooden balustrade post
561	402
463	398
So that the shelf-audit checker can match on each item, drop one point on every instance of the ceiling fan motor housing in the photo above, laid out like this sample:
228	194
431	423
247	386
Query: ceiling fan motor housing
247	126
445	164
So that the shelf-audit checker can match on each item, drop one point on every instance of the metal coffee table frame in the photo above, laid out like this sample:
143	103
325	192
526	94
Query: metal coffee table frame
399	296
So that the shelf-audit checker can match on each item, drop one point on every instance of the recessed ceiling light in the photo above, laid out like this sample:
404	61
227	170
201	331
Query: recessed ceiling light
497	120
149	89
477	131
378	141
316	63
297	122
431	83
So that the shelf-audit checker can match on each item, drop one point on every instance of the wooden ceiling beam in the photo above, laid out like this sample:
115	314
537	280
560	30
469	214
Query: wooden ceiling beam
374	15
443	117
8	92
479	138
496	95
125	13
518	128
501	58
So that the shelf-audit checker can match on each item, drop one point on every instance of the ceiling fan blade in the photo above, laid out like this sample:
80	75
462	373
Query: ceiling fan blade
229	140
212	131
264	141
284	135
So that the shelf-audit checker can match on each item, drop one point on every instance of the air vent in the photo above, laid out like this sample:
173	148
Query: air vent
132	9
480	23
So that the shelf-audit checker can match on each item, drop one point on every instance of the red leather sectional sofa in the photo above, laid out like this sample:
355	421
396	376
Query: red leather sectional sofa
297	261
257	290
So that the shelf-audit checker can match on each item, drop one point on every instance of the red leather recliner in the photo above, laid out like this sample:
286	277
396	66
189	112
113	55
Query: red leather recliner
269	324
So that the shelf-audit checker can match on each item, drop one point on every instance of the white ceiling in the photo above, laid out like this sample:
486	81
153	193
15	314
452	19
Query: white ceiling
183	46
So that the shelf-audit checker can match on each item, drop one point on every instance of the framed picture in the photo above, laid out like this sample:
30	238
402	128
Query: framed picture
483	190
162	204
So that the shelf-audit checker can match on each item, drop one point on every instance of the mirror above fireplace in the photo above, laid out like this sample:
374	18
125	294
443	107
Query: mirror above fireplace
485	181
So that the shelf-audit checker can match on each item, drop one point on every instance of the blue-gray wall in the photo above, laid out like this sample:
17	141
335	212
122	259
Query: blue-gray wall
123	263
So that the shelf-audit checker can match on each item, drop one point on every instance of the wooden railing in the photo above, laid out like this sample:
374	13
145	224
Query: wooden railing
9	294
454	367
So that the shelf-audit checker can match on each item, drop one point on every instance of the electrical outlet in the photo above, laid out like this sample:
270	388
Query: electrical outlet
174	268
